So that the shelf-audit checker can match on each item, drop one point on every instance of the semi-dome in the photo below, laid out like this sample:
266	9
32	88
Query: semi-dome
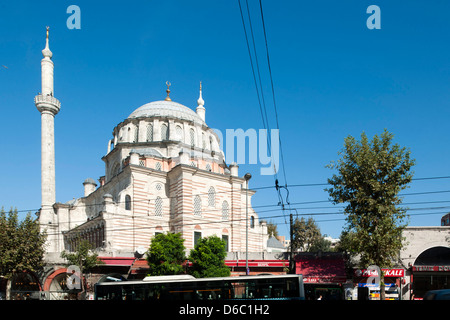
166	108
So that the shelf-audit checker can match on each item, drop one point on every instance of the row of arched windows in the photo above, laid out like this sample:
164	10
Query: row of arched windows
95	235
133	136
197	202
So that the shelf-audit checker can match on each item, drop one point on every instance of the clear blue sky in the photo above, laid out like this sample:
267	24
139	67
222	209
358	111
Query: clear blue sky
333	77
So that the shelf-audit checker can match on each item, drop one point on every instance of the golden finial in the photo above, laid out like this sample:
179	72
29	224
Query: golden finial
47	30
168	91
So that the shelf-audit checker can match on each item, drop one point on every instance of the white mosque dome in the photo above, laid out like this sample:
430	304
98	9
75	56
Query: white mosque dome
166	108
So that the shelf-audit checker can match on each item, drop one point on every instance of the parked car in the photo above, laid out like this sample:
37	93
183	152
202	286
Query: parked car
437	295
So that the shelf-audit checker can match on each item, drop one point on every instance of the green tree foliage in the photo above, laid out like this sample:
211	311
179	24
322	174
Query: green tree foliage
370	176
272	229
166	254
22	245
306	234
83	257
208	258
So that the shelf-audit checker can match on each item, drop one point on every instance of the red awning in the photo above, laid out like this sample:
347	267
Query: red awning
117	261
322	270
257	263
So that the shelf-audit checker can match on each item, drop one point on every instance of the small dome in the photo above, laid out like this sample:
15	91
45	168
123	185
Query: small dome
166	109
89	181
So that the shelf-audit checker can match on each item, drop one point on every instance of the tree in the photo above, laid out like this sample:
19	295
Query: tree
320	244
22	245
166	254
83	258
272	230
305	234
208	258
370	176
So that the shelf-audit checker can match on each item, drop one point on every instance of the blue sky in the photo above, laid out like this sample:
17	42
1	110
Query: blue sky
333	77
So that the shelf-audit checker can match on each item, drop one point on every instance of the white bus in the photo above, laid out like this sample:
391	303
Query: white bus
185	287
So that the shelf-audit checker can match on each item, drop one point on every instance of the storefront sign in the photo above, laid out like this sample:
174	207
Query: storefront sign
376	286
432	268
374	273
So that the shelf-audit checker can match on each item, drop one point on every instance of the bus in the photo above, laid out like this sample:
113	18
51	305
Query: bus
185	287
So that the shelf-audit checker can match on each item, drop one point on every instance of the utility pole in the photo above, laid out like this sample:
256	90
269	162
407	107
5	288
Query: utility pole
291	251
246	177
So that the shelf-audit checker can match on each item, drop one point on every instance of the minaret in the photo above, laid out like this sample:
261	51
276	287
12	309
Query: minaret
48	106
201	109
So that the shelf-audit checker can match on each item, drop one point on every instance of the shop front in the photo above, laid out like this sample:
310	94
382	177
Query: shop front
431	271
324	275
367	284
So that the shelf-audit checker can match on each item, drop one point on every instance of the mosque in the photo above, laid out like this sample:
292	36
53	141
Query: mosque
164	172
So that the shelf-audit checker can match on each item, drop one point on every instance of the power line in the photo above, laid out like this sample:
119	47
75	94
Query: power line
268	187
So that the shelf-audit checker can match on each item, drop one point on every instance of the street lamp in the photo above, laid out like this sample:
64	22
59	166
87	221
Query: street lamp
246	177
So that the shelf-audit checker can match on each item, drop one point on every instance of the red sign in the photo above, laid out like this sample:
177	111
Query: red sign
257	263
374	273
431	268
323	279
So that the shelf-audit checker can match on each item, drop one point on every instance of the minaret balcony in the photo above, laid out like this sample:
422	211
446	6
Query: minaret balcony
47	103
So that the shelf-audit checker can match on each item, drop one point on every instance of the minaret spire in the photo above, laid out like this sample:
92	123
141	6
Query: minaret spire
48	106
46	52
200	102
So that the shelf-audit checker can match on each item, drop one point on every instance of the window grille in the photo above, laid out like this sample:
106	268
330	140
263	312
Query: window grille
136	134
164	132
192	137
197	206
179	133
158	207
211	197
150	132
158	166
208	167
225	210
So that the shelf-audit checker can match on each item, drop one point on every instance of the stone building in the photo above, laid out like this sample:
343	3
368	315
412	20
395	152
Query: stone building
426	259
164	172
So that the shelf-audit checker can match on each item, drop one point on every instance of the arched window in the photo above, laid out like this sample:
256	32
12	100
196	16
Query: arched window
136	134
197	206
211	144
179	133
203	140
164	132
192	137
208	167
211	197
225	210
150	132
158	207
127	202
